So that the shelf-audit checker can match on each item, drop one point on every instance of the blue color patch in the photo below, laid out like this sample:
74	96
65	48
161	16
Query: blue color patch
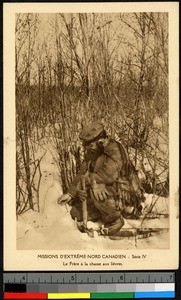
154	295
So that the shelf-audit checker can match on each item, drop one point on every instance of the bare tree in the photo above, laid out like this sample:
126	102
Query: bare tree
27	165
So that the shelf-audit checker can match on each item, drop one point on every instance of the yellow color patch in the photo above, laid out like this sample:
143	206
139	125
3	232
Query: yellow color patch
68	295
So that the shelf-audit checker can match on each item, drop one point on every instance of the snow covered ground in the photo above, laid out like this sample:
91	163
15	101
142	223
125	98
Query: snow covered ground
53	228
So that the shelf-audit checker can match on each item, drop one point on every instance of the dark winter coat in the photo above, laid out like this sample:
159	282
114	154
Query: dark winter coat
108	167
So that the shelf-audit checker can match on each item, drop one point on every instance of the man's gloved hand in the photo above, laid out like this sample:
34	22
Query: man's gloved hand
82	195
65	198
100	192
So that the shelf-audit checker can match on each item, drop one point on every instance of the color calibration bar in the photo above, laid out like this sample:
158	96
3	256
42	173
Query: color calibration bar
109	291
130	295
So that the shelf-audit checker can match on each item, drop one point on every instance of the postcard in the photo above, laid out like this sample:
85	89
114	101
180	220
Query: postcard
91	126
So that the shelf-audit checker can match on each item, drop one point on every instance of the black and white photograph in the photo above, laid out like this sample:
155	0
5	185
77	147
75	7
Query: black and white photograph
92	148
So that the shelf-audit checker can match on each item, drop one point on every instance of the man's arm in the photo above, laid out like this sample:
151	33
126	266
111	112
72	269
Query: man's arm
110	170
76	183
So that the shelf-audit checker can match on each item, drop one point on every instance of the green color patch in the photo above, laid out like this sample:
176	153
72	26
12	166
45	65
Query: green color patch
112	295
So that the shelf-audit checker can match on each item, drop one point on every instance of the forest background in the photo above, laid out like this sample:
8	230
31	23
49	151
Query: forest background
74	68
